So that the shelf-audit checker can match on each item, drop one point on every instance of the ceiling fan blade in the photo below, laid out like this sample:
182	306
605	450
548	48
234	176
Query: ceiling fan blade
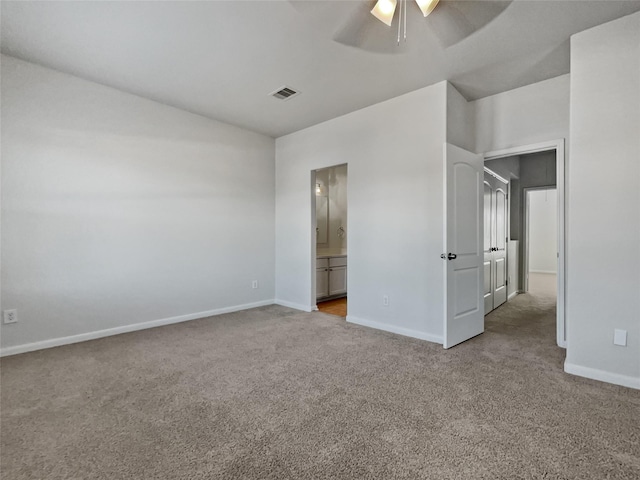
453	21
362	30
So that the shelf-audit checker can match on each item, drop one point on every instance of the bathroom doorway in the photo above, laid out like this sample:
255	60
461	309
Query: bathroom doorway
541	227
329	210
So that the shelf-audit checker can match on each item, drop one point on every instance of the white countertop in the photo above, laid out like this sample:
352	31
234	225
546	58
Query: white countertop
326	253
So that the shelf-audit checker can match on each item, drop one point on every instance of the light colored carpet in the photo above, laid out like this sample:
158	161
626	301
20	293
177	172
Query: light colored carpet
272	393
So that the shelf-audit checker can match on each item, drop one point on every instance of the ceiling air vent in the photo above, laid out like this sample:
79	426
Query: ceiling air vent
284	93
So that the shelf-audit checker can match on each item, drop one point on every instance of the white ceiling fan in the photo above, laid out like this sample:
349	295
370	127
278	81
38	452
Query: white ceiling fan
367	23
384	10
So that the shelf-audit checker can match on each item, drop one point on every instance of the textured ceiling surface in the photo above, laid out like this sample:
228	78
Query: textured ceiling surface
222	59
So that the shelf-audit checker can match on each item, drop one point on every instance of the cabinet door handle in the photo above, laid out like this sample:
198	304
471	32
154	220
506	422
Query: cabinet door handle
331	269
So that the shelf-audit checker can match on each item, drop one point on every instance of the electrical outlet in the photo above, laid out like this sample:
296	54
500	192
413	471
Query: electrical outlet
619	337
10	316
385	300
254	284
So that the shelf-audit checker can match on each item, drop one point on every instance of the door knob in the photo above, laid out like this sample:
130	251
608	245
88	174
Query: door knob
451	256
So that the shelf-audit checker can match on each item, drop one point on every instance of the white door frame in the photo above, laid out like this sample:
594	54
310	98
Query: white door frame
314	254
314	250
559	147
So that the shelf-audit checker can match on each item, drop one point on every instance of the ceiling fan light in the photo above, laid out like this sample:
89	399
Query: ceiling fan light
427	6
384	10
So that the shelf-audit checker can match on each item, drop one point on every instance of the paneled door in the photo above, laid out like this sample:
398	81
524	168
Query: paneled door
487	263
500	252
495	242
463	227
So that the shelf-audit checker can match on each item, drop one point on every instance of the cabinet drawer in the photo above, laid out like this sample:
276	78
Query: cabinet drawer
338	262
322	263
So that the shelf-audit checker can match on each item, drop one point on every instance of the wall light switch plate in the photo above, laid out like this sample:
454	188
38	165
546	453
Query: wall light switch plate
620	337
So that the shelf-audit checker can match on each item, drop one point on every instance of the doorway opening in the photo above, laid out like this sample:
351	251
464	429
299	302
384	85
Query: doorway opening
540	260
329	244
534	173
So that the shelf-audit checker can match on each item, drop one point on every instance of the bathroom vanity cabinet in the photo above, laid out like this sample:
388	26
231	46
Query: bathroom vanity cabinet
331	276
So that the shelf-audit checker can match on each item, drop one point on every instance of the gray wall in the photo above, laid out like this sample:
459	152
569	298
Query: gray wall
538	170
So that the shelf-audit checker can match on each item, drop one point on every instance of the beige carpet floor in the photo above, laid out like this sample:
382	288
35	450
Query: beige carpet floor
272	393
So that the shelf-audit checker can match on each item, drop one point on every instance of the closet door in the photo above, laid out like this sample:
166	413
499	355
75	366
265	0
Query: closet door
487	265
500	247
495	242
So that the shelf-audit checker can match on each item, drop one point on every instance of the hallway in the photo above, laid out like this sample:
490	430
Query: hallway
527	323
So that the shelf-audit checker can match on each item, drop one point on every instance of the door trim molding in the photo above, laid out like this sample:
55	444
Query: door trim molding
559	147
313	253
495	175
387	327
602	375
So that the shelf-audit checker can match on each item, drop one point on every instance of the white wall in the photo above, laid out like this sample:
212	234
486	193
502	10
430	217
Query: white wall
543	231
524	116
394	152
117	210
513	262
461	129
604	193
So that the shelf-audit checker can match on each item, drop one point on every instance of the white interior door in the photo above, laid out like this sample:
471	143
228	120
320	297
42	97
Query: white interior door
487	263
463	257
500	253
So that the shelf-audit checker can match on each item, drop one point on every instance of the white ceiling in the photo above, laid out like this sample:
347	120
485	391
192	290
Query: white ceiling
221	59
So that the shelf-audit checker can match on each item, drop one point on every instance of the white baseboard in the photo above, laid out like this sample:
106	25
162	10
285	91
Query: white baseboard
83	337
549	272
297	306
395	329
603	376
513	294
